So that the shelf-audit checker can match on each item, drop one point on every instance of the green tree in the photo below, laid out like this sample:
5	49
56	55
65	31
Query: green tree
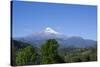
49	52
26	56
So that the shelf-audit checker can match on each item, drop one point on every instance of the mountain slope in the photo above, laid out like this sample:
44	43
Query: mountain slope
39	38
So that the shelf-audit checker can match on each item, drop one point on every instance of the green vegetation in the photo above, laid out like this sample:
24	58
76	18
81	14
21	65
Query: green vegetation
79	54
26	56
49	53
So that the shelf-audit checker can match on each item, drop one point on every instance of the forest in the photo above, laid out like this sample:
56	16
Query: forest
49	53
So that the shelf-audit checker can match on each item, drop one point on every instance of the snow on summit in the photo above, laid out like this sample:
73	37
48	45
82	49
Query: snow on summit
50	30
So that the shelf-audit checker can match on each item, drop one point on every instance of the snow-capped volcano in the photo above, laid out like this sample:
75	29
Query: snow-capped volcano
48	33
50	30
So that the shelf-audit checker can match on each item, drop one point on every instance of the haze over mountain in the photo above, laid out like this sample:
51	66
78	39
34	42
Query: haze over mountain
37	39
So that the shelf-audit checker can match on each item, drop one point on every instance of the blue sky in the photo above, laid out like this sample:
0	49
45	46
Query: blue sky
71	20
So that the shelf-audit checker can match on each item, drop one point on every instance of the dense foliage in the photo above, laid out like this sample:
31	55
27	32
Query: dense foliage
26	56
50	52
15	46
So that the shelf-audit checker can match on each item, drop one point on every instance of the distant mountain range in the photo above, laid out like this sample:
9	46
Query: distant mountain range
37	39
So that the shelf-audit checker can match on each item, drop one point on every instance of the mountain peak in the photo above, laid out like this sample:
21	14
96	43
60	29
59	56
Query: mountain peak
50	30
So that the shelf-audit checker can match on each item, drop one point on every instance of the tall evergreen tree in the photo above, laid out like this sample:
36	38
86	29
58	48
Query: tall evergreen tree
26	56
49	52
